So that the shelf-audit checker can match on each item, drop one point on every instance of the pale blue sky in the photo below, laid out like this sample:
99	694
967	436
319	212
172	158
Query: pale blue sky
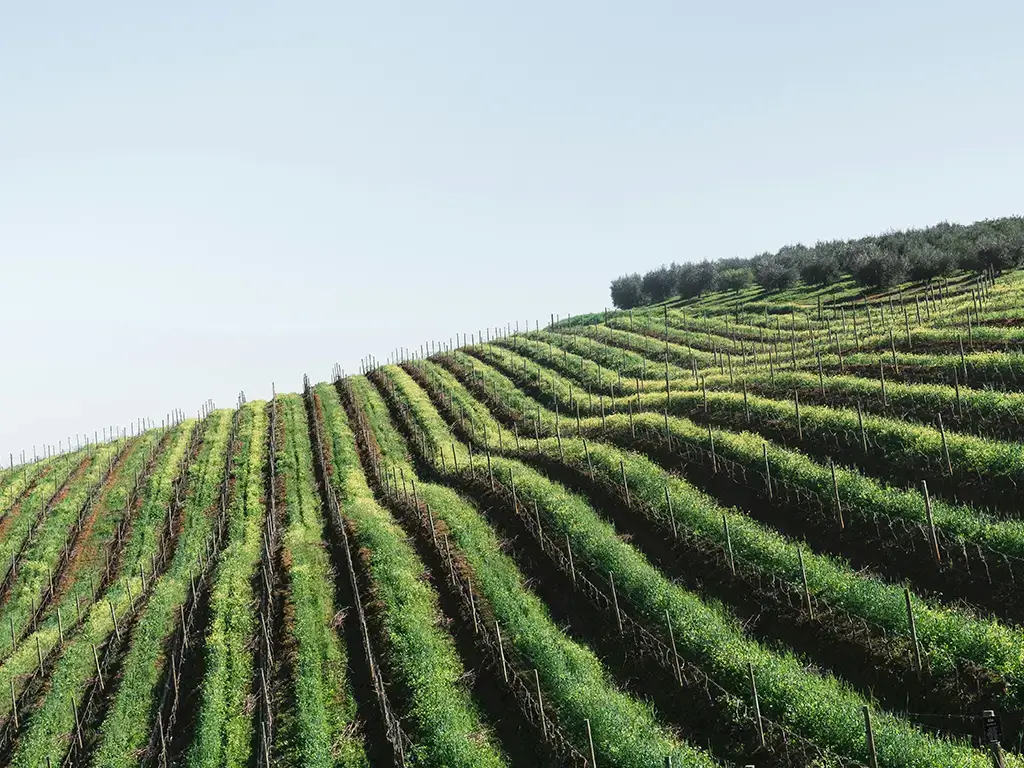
202	197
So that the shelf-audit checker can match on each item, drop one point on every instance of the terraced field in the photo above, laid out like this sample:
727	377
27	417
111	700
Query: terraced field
744	529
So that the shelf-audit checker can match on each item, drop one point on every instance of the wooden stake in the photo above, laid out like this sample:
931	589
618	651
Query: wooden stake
931	521
881	376
572	568
501	651
113	617
945	447
860	423
590	740
99	672
767	471
78	723
870	736
757	703
799	424
963	358
913	629
540	704
615	601
671	515
835	492
728	544
472	609
803	577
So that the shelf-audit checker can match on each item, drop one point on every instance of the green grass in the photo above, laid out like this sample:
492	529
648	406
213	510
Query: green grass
125	731
819	707
626	731
224	731
946	634
317	727
443	721
47	733
42	552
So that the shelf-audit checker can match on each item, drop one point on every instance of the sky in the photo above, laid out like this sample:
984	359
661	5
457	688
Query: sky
202	198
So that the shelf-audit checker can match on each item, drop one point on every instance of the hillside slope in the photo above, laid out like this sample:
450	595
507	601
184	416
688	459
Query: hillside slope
771	528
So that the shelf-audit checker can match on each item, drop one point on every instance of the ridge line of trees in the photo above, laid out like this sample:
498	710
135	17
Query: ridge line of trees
878	261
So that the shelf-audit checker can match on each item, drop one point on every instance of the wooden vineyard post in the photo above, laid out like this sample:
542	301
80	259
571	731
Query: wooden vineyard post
945	447
672	641
714	456
881	376
501	651
728	544
746	405
931	521
913	630
821	377
767	470
625	485
78	723
590	741
835	493
113	617
472	610
803	577
869	734
956	389
99	672
14	705
629	406
799	424
963	359
757	703
615	601
992	735
572	568
668	387
860	423
671	515
540	704
892	343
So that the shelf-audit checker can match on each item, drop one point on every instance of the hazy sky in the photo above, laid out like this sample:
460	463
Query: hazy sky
203	197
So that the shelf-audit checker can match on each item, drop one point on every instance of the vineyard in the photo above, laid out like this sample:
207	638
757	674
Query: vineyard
750	528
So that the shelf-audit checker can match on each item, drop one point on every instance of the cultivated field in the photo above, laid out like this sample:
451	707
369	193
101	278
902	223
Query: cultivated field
771	529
